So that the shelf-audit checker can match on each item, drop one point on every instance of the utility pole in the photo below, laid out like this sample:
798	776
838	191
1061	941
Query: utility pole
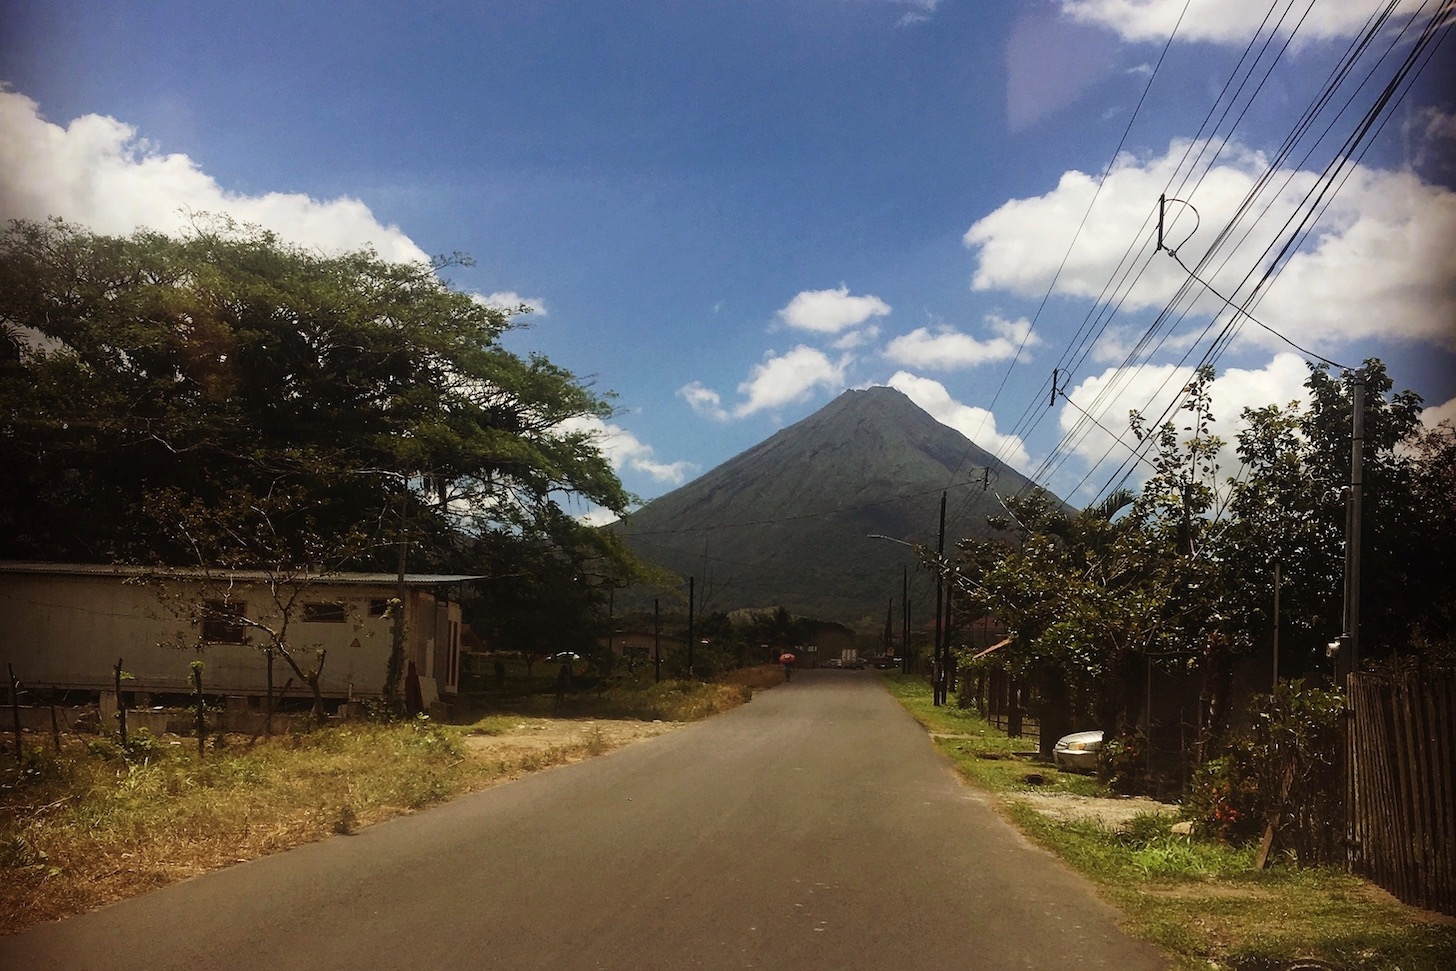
394	671
1276	626
1352	525
656	642
692	589
904	620
939	688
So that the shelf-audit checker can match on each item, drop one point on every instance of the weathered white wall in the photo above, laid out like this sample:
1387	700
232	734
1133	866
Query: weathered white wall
69	630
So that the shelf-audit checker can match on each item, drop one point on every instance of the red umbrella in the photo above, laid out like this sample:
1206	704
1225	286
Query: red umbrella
787	658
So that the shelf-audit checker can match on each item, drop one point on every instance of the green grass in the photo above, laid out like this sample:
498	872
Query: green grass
982	753
1200	901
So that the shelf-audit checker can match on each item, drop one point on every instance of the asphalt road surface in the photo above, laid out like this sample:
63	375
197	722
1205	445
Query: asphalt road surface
814	828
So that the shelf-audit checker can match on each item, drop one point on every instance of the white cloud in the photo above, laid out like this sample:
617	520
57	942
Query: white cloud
948	349
626	451
1435	414
857	338
788	378
96	171
977	424
1111	395
705	401
597	516
509	301
1380	263
780	379
831	311
1224	21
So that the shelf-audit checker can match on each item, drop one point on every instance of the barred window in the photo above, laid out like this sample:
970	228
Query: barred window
222	623
325	613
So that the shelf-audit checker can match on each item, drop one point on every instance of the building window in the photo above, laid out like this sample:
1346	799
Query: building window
325	613
379	607
222	623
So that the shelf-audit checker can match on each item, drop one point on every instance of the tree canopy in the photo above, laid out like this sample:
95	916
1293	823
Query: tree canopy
227	363
1183	576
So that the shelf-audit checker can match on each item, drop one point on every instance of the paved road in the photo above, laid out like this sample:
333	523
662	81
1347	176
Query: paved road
815	828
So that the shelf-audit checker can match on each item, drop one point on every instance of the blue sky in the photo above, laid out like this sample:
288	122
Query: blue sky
727	213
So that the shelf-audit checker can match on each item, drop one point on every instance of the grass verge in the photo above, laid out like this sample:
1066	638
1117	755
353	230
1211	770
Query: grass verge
1200	901
95	823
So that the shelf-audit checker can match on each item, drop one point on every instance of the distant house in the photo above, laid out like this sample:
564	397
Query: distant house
65	625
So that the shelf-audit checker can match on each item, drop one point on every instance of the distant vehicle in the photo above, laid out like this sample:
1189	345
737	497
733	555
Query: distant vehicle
1078	751
886	662
833	662
850	659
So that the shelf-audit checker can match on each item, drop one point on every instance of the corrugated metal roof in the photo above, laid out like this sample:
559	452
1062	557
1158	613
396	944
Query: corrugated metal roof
128	570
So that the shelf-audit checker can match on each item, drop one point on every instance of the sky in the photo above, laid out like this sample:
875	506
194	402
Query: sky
724	213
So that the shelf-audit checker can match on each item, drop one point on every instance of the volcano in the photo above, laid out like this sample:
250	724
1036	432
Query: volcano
797	520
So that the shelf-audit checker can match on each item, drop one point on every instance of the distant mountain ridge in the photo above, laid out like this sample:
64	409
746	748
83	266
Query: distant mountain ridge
789	520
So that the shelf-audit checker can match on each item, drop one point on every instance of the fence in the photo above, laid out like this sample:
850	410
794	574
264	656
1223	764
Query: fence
1401	786
1007	704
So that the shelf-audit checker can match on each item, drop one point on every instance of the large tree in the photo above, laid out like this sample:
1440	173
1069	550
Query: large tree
226	361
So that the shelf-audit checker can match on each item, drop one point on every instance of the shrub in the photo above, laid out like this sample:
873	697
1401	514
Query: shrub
1123	764
1282	768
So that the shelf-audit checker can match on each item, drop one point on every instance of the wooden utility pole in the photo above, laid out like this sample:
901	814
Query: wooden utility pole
1276	627
1352	526
939	688
395	669
692	590
904	620
656	641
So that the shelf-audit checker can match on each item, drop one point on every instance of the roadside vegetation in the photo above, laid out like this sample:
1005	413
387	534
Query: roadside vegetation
99	821
1200	899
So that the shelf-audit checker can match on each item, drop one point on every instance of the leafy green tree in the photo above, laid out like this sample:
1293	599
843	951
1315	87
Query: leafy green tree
1290	507
777	628
227	361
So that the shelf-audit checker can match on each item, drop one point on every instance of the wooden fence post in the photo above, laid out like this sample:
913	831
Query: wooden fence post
15	711
201	709
120	703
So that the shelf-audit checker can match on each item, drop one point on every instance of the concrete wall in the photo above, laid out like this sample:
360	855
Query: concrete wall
69	630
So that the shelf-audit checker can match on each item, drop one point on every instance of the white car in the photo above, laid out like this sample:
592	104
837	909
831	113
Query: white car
1078	751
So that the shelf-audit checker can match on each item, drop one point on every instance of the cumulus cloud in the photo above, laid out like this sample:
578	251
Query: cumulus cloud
857	338
977	424
778	380
510	301
625	450
1224	21
1109	397
948	349
1379	264
704	400
831	311
1435	414
98	172
788	378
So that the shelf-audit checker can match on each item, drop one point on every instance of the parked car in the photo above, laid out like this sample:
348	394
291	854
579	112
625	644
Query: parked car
1078	751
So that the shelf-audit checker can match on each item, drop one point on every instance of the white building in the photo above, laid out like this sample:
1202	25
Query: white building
66	625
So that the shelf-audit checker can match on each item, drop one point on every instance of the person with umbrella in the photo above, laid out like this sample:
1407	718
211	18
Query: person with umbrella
787	660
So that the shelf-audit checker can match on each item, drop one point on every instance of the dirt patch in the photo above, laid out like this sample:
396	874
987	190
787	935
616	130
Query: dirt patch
1109	813
586	736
